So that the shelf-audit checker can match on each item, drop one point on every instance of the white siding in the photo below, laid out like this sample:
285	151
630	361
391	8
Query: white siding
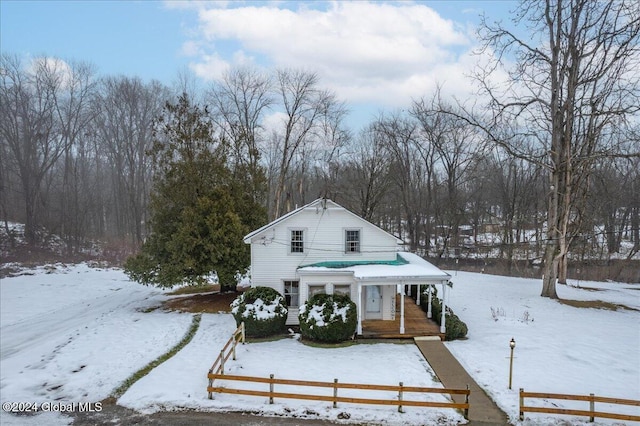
324	239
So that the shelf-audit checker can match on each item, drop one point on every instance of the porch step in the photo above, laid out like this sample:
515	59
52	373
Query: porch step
425	338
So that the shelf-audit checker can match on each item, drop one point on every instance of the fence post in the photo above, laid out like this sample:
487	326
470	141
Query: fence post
400	398
335	393
210	384
233	349
271	389
592	407
243	335
521	404
466	401
222	362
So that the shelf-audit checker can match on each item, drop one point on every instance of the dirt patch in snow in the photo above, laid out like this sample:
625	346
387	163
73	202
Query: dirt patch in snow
208	303
595	304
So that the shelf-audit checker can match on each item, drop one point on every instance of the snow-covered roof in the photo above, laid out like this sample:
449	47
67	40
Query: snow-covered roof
411	268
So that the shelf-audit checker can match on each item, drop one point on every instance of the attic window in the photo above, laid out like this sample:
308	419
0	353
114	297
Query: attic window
352	241
297	241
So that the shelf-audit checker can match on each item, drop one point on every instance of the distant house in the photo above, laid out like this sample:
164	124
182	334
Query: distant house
324	248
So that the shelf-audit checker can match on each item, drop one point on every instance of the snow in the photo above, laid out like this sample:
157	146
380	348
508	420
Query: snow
288	358
316	313
73	334
416	268
260	310
559	348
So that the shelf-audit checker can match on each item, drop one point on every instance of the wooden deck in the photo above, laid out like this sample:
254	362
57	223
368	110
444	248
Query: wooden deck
416	324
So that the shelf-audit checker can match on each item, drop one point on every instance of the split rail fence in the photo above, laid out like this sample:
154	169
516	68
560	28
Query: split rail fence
216	372
591	412
228	350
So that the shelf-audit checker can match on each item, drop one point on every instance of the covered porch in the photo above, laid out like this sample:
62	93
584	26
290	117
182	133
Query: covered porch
416	324
378	290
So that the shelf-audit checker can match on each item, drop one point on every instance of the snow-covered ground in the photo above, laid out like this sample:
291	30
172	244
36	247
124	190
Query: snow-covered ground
559	348
75	333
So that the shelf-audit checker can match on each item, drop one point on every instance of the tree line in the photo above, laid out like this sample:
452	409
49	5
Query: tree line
548	167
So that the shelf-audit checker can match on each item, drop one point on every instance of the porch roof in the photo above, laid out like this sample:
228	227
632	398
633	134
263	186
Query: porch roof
341	264
406	267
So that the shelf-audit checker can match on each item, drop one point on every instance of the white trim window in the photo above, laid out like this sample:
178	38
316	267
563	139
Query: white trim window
316	289
296	241
292	293
344	289
352	241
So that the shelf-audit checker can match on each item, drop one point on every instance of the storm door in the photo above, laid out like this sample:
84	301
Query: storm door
373	302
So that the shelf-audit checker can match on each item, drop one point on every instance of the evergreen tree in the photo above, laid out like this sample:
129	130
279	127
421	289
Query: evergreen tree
199	206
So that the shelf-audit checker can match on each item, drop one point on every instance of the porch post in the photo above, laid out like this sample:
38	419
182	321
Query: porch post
429	314
443	321
359	304
418	296
402	310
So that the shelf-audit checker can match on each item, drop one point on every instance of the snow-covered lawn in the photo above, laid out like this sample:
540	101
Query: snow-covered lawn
75	334
559	348
289	359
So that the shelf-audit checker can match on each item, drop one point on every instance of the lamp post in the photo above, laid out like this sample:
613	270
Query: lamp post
512	345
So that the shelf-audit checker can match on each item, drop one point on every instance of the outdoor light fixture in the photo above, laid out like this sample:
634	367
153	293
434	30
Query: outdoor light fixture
512	345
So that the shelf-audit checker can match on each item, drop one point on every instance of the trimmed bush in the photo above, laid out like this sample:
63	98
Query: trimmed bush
328	318
455	327
263	311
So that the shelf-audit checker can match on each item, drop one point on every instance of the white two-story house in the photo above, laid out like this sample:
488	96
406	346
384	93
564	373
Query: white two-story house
324	248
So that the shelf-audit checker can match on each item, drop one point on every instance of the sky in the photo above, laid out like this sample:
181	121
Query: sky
376	56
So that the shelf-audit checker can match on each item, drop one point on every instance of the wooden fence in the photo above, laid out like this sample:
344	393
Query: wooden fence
216	372
335	385
591	412
228	350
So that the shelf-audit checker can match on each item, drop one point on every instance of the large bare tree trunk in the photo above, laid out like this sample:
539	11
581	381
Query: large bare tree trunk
567	97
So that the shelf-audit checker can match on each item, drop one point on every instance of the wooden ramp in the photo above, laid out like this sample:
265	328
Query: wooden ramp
482	409
416	324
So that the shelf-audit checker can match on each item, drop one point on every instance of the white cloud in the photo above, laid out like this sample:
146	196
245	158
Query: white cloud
191	48
210	67
54	68
385	53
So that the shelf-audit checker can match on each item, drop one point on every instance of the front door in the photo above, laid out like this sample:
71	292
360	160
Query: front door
373	302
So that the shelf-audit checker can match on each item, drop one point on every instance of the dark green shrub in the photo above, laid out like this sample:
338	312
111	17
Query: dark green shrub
455	327
263	311
328	318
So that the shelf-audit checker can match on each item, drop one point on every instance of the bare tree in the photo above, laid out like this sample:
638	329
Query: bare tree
364	176
452	146
240	101
305	106
399	134
28	127
124	127
573	84
74	116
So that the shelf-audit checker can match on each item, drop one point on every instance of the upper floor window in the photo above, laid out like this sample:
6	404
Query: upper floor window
297	241
352	241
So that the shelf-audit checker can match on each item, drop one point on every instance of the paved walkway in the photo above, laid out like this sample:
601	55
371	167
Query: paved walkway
482	409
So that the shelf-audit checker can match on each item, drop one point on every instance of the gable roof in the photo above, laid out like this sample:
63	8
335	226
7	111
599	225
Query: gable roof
323	203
